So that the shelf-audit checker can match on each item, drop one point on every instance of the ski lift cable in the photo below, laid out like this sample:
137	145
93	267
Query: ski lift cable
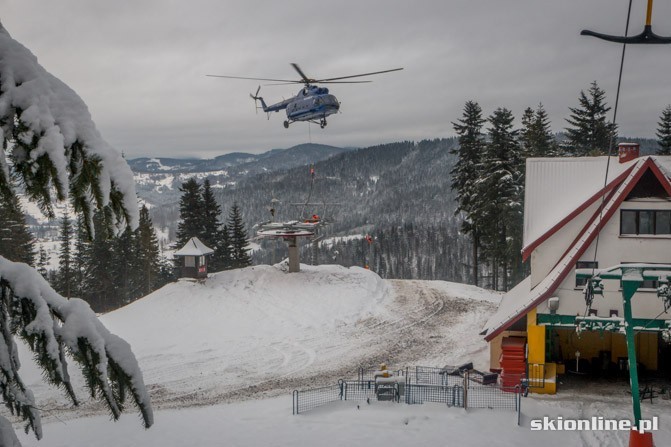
312	185
610	143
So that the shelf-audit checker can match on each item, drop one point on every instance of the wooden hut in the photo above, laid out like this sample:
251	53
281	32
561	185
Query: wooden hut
192	259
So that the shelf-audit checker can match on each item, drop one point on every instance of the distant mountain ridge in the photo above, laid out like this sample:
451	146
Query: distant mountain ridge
239	161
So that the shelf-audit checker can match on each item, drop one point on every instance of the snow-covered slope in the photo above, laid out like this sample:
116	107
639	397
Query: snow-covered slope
262	331
259	331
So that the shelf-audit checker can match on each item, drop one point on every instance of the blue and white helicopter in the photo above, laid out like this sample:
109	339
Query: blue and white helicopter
312	103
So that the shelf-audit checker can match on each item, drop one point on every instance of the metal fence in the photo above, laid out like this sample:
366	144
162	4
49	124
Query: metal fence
452	396
426	375
492	397
419	385
358	390
310	399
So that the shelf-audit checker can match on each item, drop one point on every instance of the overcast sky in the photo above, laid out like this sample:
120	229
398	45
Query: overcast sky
140	65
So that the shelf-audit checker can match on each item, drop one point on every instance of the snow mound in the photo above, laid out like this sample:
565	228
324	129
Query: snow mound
254	302
260	331
245	327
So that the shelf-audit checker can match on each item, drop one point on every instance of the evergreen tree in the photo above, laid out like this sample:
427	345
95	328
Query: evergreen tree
80	255
126	271
65	283
147	251
213	235
191	212
591	133
465	173
100	285
526	136
225	253
16	240
664	132
43	262
238	237
536	136
55	155
500	192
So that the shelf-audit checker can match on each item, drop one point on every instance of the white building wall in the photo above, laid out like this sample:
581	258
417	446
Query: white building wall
613	249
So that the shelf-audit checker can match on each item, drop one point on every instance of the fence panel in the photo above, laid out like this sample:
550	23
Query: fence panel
452	396
425	375
493	397
359	390
306	400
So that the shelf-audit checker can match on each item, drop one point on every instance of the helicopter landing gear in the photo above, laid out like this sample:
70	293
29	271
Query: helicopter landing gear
322	123
286	124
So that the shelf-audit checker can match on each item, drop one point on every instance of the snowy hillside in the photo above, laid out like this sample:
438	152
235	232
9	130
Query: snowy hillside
215	353
261	331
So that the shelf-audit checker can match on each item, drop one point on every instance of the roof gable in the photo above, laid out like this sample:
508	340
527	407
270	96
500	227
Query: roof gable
567	183
519	303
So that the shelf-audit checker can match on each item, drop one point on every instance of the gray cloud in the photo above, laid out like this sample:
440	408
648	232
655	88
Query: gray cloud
140	65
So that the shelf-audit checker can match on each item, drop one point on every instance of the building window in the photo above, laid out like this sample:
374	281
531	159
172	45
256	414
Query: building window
580	282
189	261
645	222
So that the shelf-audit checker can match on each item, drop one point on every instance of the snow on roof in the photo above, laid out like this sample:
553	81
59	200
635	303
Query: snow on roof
555	187
511	304
520	299
194	247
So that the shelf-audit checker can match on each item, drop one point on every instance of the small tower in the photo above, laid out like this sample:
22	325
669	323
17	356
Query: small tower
193	262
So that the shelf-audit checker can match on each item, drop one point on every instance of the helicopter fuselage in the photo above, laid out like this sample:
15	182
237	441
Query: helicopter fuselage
311	103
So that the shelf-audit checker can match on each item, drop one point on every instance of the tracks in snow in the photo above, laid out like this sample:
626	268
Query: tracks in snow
416	322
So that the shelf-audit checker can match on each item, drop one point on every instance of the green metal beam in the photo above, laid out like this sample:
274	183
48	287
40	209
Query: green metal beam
569	322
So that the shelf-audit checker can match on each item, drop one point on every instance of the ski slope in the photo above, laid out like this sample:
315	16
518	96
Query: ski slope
260	331
221	358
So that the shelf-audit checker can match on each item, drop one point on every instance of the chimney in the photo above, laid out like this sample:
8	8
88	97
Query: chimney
628	152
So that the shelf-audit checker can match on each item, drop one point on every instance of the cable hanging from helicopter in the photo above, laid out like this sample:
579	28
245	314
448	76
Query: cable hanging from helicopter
312	103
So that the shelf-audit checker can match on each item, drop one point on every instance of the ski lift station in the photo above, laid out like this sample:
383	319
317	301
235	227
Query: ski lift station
585	239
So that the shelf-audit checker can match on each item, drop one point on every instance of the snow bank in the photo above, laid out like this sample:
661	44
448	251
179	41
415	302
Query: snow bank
242	327
269	422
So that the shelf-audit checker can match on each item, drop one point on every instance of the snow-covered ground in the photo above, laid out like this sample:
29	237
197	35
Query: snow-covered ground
222	357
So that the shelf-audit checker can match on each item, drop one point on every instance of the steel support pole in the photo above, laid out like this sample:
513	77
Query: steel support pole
629	287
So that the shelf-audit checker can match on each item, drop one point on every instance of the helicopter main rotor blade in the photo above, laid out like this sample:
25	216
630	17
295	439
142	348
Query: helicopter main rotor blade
300	72
325	82
358	75
256	79
344	82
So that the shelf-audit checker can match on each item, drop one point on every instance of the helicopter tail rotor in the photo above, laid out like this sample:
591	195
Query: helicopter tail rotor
257	98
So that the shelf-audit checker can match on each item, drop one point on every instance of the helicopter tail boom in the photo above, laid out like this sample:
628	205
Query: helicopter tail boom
256	97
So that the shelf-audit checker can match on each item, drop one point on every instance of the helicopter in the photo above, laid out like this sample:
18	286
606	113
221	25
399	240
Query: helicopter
312	103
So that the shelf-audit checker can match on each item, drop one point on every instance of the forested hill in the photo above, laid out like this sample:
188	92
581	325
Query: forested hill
398	193
394	183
